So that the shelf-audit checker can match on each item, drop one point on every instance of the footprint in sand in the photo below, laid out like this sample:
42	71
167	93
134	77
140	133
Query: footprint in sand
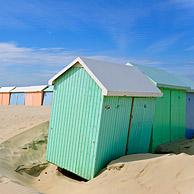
4	179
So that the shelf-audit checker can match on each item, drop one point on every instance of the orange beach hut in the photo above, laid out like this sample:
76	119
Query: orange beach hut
5	95
33	95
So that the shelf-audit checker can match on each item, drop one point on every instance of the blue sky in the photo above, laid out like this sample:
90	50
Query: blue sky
39	37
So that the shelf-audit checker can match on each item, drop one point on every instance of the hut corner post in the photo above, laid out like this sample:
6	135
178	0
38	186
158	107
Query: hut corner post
130	124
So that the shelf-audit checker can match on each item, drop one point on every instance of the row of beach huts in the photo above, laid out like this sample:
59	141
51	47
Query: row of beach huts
28	96
102	111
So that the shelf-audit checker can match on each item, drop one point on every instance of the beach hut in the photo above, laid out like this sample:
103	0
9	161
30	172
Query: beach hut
189	107
34	95
5	95
17	96
48	94
99	110
169	119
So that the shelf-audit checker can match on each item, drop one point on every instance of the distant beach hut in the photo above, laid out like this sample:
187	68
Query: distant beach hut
169	120
5	95
48	94
34	95
100	111
17	96
189	107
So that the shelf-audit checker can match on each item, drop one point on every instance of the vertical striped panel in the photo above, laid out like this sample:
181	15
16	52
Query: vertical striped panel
17	99
33	98
190	115
161	125
28	99
113	130
1	98
4	99
178	108
75	122
47	98
141	128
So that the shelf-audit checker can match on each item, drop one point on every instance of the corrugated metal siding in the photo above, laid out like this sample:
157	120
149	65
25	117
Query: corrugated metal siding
169	119
190	115
161	124
113	130
178	108
47	98
17	99
75	122
141	128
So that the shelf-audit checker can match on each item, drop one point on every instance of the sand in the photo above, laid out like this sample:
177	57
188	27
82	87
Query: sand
161	174
20	126
16	119
24	170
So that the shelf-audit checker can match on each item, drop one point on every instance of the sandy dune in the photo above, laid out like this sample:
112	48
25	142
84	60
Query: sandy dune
16	119
170	174
23	169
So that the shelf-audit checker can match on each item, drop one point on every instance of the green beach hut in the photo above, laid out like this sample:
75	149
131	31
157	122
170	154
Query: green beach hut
169	120
99	111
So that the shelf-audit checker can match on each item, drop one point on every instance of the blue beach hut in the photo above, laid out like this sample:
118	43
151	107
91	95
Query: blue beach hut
17	96
48	94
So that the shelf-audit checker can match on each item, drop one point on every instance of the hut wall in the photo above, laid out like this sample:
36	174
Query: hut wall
75	122
17	99
113	134
178	109
33	98
1	98
169	119
141	126
4	98
190	115
47	98
161	125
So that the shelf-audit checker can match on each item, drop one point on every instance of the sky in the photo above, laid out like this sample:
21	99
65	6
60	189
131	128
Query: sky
39	37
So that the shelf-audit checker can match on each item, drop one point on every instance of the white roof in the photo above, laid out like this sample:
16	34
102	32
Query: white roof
29	89
6	89
115	79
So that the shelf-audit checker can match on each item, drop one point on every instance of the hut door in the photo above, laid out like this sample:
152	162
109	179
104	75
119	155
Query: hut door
178	104
189	115
161	125
141	125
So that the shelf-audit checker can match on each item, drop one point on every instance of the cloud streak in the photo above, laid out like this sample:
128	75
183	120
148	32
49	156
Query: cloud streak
163	44
22	66
11	54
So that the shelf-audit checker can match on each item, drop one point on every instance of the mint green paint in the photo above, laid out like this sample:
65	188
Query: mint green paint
113	130
178	109
169	119
88	130
75	122
141	126
161	125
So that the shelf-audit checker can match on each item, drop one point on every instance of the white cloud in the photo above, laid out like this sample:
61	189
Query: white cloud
29	66
11	54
